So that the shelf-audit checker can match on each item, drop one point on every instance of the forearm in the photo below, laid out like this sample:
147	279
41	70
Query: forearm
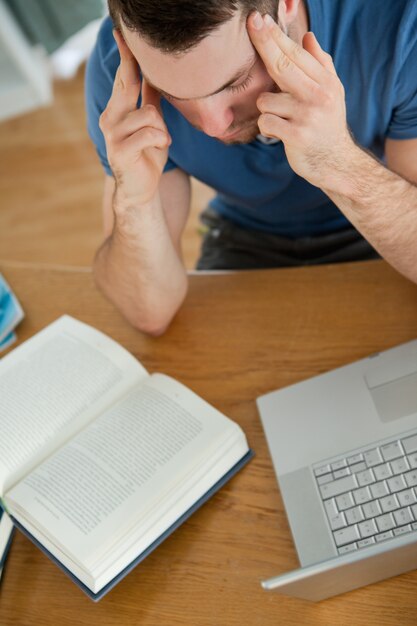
380	204
139	270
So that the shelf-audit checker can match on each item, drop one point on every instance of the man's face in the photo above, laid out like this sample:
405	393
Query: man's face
215	85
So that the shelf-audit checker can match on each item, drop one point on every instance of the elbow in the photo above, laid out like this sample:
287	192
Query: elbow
150	312
156	318
152	328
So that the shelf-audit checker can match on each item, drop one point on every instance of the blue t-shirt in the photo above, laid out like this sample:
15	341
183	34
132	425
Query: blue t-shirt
374	47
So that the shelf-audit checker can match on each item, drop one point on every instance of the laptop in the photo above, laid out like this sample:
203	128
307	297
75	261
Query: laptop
344	449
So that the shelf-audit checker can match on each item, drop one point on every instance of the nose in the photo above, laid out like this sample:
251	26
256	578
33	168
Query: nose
215	116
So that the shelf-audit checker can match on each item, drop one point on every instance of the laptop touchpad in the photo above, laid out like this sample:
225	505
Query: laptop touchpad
394	398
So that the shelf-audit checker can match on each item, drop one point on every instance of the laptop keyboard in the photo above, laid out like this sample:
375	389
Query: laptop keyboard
371	496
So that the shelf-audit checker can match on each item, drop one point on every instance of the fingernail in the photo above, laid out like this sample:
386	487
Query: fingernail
257	21
268	20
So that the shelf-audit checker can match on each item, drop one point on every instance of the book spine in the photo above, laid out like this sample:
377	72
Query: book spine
3	506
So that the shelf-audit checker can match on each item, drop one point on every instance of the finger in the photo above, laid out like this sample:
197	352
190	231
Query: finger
312	46
129	71
274	127
127	84
282	69
135	121
282	104
299	55
147	138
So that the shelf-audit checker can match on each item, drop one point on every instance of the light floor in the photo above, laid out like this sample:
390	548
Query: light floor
51	184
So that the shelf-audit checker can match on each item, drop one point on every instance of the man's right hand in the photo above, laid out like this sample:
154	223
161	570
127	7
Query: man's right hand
137	140
139	266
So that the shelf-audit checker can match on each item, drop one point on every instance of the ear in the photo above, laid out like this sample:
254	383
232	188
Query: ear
287	11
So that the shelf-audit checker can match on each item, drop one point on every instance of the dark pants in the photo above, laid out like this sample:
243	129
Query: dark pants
229	246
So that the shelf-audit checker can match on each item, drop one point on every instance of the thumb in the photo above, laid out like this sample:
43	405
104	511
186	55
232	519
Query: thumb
312	46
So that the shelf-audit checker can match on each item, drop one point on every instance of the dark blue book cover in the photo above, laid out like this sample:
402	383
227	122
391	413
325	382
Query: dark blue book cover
6	535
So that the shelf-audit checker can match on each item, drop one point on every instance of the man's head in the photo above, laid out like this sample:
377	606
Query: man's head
198	55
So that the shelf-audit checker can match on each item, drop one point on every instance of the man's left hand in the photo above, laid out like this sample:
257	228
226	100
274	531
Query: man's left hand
309	112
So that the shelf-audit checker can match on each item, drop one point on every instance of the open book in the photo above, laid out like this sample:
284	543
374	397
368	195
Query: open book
100	461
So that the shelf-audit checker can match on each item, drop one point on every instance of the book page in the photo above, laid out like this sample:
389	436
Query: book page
54	384
119	468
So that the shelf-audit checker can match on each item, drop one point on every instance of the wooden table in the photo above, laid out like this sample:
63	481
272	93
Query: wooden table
236	337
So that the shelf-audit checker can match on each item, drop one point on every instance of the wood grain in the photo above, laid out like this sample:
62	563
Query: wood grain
236	337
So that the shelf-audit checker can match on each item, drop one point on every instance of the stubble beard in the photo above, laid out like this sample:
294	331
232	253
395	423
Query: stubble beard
248	134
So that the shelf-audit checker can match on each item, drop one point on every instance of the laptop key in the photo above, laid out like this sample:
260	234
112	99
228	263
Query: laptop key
354	515
403	530
337	465
372	457
399	466
345	501
389	503
364	543
337	521
368	528
325	478
379	490
323	469
355	458
403	516
391	451
365	478
331	508
358	467
411	478
385	522
337	487
371	509
410	444
388	534
362	495
345	471
397	483
382	471
406	497
350	547
412	460
346	535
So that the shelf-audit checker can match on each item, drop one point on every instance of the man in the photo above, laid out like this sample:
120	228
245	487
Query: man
217	80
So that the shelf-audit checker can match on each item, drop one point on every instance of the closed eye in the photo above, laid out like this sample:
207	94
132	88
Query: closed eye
231	88
241	86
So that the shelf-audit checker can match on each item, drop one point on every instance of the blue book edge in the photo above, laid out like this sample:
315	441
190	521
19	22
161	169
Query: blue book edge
3	556
11	314
112	583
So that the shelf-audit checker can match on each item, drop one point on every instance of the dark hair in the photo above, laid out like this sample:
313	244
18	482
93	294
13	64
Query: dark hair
176	26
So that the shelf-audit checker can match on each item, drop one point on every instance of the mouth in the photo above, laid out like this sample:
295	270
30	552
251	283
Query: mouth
250	128
230	136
